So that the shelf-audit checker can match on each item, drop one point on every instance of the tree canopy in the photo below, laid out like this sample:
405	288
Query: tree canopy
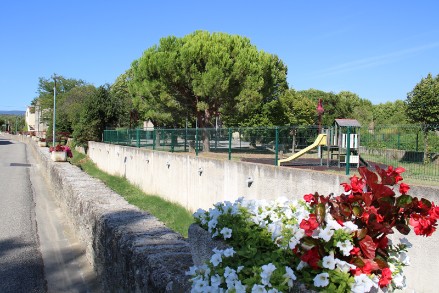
423	107
202	76
423	101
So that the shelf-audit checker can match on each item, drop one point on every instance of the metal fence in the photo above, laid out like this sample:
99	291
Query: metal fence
401	145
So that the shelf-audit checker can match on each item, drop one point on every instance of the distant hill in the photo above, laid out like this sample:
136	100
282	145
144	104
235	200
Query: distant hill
12	112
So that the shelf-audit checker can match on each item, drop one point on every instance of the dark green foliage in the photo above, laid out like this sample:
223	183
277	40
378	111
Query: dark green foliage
202	76
423	107
100	111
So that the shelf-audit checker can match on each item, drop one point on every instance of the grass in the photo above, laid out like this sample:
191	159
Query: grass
174	216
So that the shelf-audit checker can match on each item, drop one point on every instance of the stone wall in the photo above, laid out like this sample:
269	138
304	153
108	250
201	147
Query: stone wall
130	250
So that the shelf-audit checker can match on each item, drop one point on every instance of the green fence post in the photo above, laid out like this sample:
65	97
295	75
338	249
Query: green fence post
348	151
230	144
185	138
276	146
417	141
153	138
172	140
196	141
138	137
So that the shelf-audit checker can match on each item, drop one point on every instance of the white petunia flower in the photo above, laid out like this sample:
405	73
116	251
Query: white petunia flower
229	252
350	227
212	225
192	271
362	283
344	266
200	286
333	224
226	232
216	259
239	287
288	213
267	271
328	261
406	242
273	290
326	234
231	277
302	265
215	281
275	229
399	281
258	289
290	276
345	246
321	280
200	213
293	242
404	258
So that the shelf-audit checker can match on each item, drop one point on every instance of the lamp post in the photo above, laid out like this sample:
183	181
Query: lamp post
54	111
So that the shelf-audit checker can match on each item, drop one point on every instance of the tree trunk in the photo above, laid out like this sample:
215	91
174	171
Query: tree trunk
206	140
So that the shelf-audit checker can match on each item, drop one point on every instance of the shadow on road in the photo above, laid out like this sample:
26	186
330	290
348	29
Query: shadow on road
21	267
4	142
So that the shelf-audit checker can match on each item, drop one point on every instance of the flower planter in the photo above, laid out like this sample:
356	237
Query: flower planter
58	156
42	143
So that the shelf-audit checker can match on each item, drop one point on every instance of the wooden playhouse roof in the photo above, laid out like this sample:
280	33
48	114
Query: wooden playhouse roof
347	122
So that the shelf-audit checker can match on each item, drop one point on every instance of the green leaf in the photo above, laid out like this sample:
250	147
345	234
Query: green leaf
404	200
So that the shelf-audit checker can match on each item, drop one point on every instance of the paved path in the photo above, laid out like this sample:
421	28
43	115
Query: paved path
38	249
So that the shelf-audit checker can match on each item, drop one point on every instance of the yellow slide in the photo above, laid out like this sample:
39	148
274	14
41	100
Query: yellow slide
320	140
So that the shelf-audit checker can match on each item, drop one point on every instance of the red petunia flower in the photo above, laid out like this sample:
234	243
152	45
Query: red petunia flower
346	187
355	251
309	198
395	173
357	184
386	277
312	257
434	212
422	225
404	188
309	225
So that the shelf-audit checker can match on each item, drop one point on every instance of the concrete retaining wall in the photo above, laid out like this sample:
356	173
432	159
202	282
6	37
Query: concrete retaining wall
130	250
177	178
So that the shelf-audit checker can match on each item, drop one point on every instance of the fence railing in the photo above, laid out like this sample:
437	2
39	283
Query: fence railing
402	145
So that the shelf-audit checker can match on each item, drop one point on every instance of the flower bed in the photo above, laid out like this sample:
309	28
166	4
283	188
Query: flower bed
59	153
327	243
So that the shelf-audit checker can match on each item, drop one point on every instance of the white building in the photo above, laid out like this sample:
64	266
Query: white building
34	121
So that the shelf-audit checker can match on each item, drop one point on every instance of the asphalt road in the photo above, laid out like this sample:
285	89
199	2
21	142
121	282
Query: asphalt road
38	249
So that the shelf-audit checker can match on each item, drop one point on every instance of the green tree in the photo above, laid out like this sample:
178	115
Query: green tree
423	107
100	111
119	91
45	97
203	76
73	102
390	113
297	109
330	104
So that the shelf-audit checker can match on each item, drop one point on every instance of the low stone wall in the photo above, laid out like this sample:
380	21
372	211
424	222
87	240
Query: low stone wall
130	250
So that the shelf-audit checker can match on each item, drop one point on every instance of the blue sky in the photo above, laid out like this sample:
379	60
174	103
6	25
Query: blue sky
377	49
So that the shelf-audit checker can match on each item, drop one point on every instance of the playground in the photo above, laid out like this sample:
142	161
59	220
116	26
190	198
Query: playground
308	147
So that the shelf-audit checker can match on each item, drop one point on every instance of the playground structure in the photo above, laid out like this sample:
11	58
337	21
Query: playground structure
341	142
